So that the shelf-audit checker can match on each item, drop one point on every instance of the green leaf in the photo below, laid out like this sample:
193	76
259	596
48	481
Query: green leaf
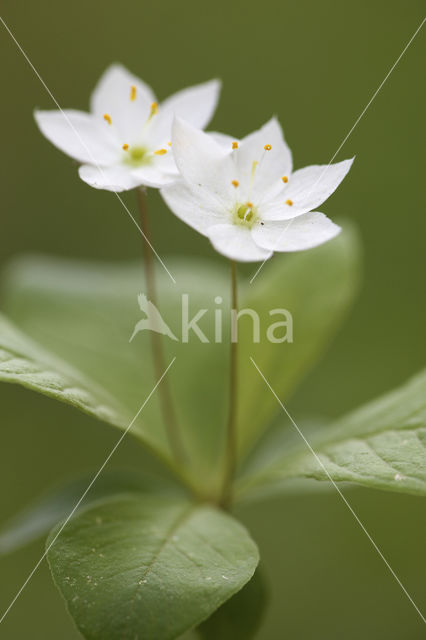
317	287
381	445
240	617
46	511
24	362
149	568
86	313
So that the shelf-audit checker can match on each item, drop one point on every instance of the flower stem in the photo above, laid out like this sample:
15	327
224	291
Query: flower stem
231	435
165	396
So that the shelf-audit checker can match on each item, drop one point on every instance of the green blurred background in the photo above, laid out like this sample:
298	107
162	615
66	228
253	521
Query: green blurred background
314	64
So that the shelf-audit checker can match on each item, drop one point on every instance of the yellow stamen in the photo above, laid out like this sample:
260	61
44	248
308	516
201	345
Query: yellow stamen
284	179
160	152
125	147
170	144
235	145
154	109
267	147
107	117
133	92
235	183
289	202
250	205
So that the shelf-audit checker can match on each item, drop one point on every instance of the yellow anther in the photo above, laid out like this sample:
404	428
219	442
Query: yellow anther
267	147
107	117
284	179
170	144
154	109
249	204
235	145
289	202
133	92
160	152
235	183
125	147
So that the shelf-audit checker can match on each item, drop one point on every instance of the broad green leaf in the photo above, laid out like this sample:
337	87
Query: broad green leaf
24	362
317	287
39	517
85	314
240	617
147	567
255	484
381	445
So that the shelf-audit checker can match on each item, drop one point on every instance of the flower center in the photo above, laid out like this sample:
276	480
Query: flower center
245	214
136	156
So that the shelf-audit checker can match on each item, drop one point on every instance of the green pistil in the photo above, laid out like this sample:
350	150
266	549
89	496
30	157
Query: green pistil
245	215
136	156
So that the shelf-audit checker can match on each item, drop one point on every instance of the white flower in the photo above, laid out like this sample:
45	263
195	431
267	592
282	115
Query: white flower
124	141
243	195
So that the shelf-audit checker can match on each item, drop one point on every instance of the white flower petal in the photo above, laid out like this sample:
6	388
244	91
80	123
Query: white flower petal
112	95
116	178
237	243
307	188
279	209
122	178
200	213
79	135
223	139
204	164
256	179
304	232
166	163
154	175
196	105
